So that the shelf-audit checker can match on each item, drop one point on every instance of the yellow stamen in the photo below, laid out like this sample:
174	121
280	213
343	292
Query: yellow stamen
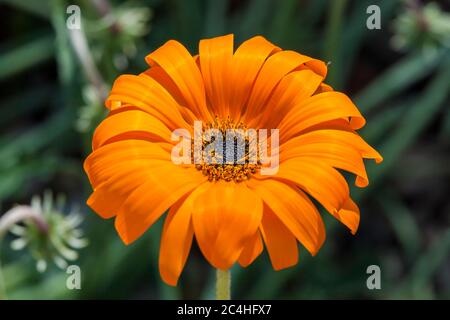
236	172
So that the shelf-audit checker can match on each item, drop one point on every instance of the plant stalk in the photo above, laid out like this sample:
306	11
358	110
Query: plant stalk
223	284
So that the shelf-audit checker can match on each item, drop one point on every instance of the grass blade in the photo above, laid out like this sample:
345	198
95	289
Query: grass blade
412	124
26	56
403	74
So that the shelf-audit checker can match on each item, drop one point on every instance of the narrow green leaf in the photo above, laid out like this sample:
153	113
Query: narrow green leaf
15	179
187	16
29	54
282	20
24	103
64	57
315	11
15	274
428	264
36	7
419	115
253	18
403	223
333	40
216	18
445	131
401	75
356	32
381	124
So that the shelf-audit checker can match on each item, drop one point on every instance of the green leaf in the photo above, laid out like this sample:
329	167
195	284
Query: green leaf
252	19
282	21
33	140
65	56
445	131
29	54
36	7
403	222
15	180
403	74
16	274
53	286
333	40
315	11
381	124
216	18
24	103
356	33
428	264
187	16
419	115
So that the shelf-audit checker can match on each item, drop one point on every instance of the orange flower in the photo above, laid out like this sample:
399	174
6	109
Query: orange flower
231	209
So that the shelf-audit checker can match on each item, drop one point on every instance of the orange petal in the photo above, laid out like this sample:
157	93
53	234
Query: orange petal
323	88
176	240
122	179
274	69
100	173
339	149
247	61
103	162
340	130
116	169
319	108
182	69
252	250
226	216
335	124
321	181
148	95
148	202
337	156
159	75
215	57
292	90
349	215
280	242
133	124
294	209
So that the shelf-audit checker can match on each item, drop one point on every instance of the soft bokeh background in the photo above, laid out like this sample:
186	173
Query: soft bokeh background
52	87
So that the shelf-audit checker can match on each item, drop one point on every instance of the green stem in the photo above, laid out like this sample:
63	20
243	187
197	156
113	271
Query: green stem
223	283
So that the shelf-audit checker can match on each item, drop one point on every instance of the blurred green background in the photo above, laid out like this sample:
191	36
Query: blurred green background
52	91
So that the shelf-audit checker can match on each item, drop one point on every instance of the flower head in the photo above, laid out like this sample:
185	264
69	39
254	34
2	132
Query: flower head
232	207
50	236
